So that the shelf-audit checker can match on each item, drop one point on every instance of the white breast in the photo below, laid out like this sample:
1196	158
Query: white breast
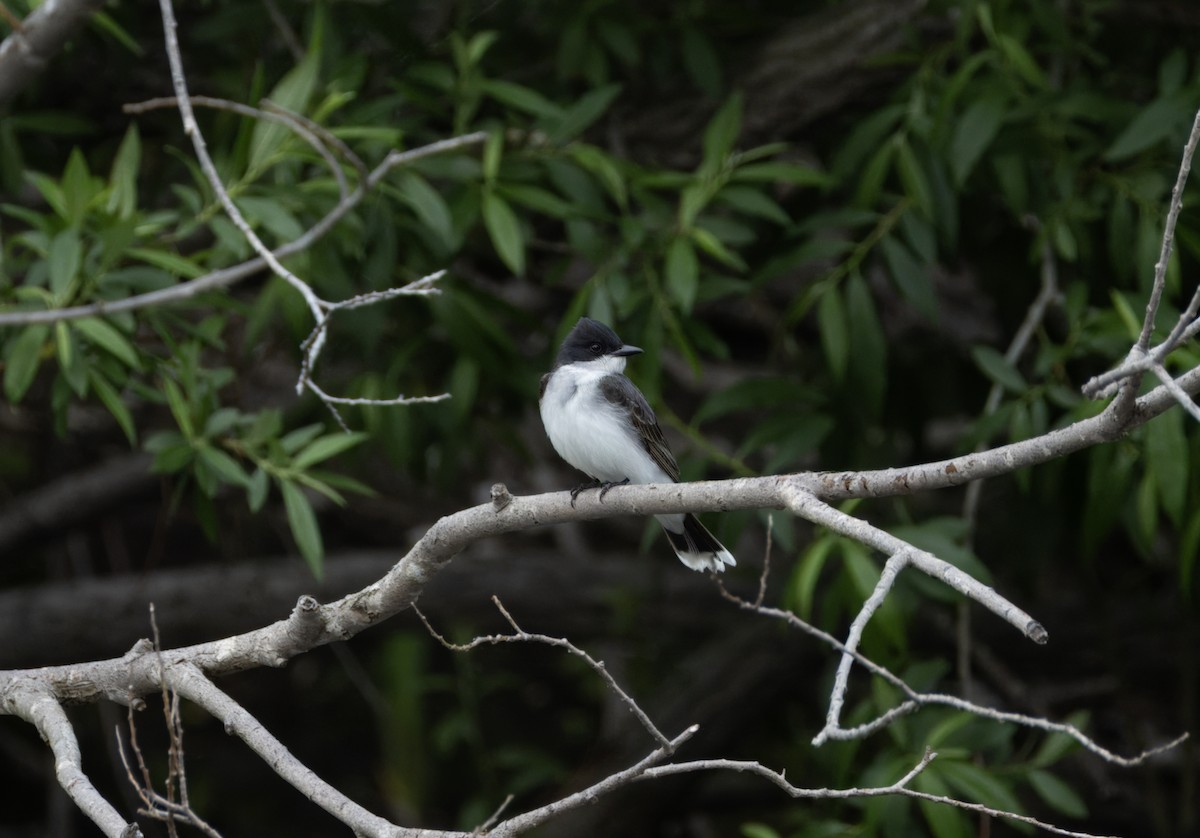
590	433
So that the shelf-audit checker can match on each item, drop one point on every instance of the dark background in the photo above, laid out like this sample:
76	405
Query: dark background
933	160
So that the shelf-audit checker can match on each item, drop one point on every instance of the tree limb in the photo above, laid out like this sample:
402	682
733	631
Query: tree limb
26	51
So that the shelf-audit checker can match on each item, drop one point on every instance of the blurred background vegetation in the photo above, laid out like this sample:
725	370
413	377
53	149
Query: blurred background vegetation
824	221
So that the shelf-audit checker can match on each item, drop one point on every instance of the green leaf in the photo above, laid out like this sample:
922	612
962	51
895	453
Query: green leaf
1014	185
297	439
293	92
753	202
318	485
111	399
914	178
1021	60
522	98
1057	745
173	458
580	116
1056	794
326	447
99	333
874	174
682	270
504	231
221	422
912	278
303	523
835	334
179	408
77	188
803	588
479	44
943	820
779	172
977	784
758	830
998	369
224	466
63	261
493	151
864	575
256	490
604	168
721	133
1152	124
69	361
170	262
429	206
105	23
122	180
50	190
868	371
271	214
1167	457
537	199
974	132
22	360
715	248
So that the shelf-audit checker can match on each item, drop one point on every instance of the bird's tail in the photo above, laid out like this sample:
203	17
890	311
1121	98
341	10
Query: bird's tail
697	547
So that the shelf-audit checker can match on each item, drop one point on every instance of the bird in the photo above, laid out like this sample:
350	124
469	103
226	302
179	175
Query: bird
600	423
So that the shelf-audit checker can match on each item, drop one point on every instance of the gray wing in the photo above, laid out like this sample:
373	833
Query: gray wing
620	391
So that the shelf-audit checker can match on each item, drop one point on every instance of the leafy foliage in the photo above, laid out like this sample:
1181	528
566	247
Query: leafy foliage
833	299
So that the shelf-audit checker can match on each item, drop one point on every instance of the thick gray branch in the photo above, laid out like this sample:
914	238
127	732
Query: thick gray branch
24	53
187	680
33	702
399	588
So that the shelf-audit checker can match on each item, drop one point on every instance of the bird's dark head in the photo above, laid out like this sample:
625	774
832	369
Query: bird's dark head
590	341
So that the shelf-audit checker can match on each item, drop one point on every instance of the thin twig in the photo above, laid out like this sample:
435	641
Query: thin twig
225	277
915	700
301	126
521	636
1168	241
483	828
1141	357
900	787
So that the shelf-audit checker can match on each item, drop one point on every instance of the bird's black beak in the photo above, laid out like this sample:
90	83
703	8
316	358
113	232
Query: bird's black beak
628	350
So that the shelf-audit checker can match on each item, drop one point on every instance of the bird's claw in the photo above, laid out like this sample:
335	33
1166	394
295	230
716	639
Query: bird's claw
606	486
603	486
582	487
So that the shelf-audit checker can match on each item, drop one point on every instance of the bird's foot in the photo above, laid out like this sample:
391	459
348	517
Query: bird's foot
583	487
602	485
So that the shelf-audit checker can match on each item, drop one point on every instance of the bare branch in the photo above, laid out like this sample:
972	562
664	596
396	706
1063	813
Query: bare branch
189	681
37	704
808	506
522	636
900	787
840	683
1049	293
29	48
1180	396
523	823
1164	256
398	589
915	700
1141	357
313	134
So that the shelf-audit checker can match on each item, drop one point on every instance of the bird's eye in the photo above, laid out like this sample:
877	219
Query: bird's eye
596	348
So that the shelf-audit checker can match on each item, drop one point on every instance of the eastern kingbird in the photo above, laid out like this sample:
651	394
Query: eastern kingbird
600	423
